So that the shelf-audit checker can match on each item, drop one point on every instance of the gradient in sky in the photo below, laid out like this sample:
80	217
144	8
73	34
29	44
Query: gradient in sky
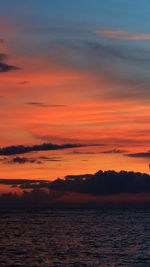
75	73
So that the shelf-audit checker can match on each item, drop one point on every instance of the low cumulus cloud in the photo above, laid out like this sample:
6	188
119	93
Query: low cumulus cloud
14	150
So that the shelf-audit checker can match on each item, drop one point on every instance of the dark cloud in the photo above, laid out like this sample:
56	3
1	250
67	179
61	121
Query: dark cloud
139	155
14	150
49	193
43	105
20	181
29	199
104	183
99	184
4	67
23	160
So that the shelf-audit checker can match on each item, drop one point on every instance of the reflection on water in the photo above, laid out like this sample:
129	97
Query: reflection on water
75	238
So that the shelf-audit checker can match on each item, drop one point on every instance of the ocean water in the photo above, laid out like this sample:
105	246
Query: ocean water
75	238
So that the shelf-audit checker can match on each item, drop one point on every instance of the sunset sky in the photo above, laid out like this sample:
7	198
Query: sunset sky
74	87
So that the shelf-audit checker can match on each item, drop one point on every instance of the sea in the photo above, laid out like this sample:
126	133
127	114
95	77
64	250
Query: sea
78	237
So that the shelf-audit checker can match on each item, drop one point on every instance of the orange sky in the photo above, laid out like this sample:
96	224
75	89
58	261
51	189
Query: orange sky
74	94
83	94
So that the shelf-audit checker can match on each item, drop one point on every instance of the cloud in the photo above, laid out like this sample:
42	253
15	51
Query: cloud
111	52
111	65
44	105
4	67
122	35
50	158
14	150
113	151
24	160
20	181
29	199
100	184
101	187
105	183
139	155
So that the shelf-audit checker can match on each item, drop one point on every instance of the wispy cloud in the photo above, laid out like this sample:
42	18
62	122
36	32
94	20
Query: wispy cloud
113	151
122	35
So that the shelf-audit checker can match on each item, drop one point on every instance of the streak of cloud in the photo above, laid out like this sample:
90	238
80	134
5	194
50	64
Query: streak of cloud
43	105
139	155
122	35
14	150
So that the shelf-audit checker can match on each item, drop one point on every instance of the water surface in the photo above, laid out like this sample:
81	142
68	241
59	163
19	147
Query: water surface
75	238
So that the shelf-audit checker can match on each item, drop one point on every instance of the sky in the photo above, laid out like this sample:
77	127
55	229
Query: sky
74	90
